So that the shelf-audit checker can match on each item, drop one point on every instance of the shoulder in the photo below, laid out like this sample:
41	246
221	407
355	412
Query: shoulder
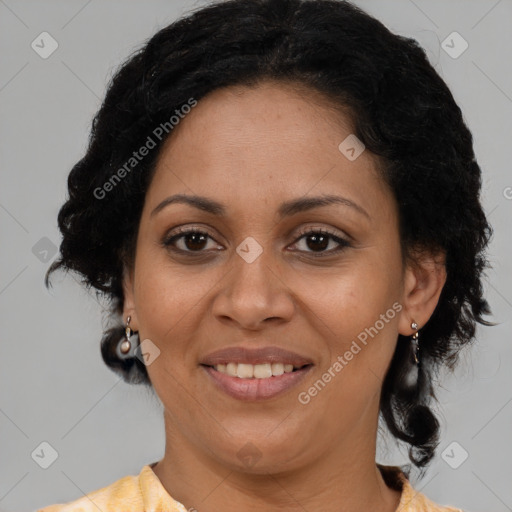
415	501
411	500
128	494
123	494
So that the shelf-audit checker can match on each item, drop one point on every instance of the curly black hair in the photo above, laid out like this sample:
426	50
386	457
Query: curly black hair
401	109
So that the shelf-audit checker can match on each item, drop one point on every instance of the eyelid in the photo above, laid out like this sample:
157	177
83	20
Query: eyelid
325	230
187	228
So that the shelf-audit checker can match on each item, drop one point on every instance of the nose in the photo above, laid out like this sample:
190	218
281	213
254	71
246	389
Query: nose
254	293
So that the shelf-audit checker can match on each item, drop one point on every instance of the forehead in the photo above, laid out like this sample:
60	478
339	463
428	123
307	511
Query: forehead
268	113
256	143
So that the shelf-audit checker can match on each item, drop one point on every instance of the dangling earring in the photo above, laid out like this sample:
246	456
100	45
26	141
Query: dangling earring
126	344
412	374
414	341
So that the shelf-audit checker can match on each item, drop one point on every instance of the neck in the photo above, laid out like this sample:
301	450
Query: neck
344	479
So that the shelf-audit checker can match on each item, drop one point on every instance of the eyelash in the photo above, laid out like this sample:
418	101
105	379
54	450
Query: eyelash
182	232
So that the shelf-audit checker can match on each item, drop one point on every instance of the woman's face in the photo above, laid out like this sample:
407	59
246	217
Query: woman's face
254	280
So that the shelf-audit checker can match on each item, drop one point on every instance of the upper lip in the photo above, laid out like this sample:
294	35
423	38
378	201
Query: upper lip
255	356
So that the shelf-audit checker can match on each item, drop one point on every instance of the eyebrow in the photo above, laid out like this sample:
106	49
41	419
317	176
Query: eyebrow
286	209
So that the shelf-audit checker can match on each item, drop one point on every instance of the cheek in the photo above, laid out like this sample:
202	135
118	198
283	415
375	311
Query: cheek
350	298
358	312
168	299
168	304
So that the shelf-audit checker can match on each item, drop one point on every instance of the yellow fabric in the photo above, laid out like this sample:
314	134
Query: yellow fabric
145	493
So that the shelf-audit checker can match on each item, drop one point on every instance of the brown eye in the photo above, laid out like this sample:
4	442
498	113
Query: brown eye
318	240
188	240
195	241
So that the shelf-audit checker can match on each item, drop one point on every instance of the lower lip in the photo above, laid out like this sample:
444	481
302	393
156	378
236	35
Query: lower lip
256	389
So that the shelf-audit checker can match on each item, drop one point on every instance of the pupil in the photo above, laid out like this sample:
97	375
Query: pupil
316	239
195	238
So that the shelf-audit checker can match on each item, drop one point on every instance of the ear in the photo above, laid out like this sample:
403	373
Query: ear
424	279
129	299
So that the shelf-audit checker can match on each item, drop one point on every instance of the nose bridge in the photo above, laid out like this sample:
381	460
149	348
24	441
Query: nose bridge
254	271
254	290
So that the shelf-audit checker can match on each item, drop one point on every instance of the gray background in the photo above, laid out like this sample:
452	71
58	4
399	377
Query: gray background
54	385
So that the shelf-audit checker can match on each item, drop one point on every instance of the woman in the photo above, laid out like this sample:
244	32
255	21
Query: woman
286	256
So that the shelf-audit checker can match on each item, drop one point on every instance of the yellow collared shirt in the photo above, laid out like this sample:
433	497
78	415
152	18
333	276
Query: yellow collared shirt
145	493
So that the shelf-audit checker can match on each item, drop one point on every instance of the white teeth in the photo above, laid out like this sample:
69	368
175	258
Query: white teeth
245	371
278	369
257	371
231	369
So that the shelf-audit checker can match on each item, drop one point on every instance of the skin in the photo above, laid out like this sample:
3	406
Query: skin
251	149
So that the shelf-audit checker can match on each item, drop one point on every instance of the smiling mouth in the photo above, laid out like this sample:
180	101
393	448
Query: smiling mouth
249	387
